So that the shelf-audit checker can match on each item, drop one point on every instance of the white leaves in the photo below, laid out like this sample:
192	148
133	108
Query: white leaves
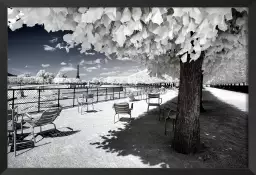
92	15
16	25
184	58
197	47
185	20
194	56
13	13
180	39
43	12
126	16
111	13
82	9
119	35
136	14
177	12
105	20
147	15
157	16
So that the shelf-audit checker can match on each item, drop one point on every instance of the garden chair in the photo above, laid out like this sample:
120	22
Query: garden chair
12	118
172	118
122	108
154	100
47	117
85	100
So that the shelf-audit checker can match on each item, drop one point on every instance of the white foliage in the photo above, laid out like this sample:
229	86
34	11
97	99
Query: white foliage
184	58
136	14
156	16
92	15
126	16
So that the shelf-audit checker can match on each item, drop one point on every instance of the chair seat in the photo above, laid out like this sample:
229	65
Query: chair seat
124	112
154	104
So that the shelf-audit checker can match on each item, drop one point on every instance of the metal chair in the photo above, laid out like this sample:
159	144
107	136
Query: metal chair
89	100
157	101
122	108
12	118
47	117
172	118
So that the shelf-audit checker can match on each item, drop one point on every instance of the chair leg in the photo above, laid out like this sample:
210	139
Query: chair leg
22	124
114	118
54	126
40	128
165	127
33	133
14	142
159	113
148	107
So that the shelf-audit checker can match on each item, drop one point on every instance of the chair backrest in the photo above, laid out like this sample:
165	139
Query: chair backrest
153	95
121	108
48	116
80	99
11	118
89	96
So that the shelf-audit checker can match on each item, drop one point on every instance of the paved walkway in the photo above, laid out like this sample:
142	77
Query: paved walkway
96	142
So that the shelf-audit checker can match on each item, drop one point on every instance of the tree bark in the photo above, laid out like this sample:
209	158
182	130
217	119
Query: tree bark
187	127
201	94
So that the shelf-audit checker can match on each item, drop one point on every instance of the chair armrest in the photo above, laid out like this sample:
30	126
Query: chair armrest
29	116
131	107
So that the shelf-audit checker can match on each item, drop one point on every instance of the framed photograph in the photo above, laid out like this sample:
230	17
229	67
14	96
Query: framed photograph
127	87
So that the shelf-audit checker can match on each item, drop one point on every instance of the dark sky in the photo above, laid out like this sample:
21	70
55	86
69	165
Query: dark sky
26	54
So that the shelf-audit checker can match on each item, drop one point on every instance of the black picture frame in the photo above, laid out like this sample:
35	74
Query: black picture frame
132	3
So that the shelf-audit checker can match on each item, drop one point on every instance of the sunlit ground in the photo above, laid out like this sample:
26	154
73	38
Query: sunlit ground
96	142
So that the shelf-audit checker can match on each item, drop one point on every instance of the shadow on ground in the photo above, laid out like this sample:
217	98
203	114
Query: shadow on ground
223	133
56	133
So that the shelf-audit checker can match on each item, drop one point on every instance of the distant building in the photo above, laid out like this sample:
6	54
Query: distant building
77	74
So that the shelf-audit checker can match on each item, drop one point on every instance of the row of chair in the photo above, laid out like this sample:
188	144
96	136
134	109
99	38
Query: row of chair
154	100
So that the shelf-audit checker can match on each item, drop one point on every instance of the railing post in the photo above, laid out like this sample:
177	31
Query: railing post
74	97
97	95
119	91
39	95
13	94
87	93
113	93
58	97
106	94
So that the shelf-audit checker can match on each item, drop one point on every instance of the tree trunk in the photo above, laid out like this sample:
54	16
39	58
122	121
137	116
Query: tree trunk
187	127
201	94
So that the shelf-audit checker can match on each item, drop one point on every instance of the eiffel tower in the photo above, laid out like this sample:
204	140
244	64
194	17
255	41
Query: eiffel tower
77	74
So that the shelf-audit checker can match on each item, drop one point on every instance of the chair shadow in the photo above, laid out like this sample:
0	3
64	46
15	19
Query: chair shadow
26	145
56	133
91	111
144	137
125	119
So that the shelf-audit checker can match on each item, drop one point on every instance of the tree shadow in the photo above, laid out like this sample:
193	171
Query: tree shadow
144	137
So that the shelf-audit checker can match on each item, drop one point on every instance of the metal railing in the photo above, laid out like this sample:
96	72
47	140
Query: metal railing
37	100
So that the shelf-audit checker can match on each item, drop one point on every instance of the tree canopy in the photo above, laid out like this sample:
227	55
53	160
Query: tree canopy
157	35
